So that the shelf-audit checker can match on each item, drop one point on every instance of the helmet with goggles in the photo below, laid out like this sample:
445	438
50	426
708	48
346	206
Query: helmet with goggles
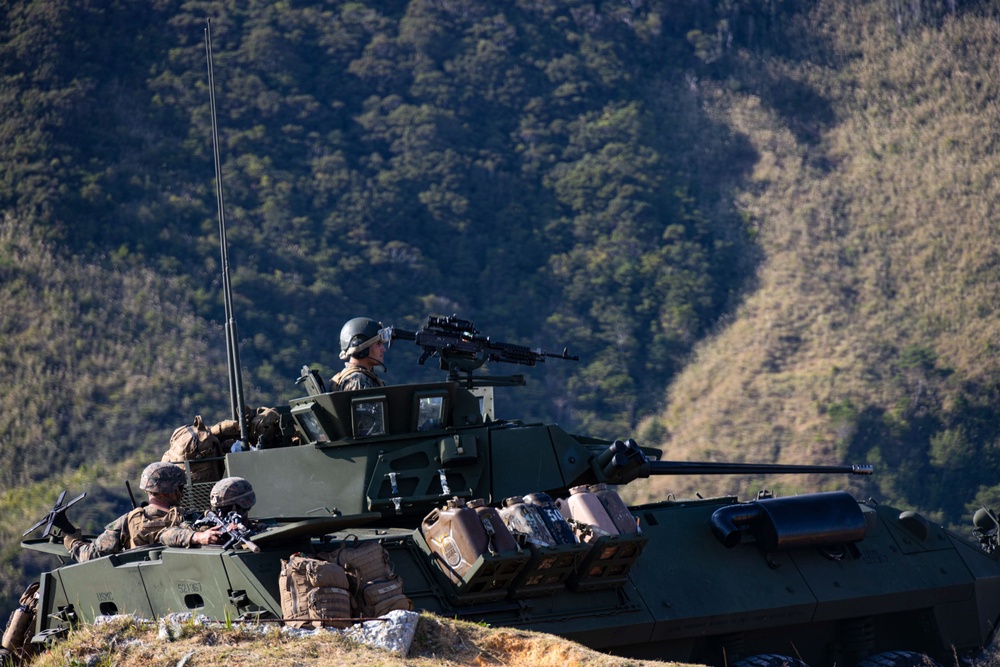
359	334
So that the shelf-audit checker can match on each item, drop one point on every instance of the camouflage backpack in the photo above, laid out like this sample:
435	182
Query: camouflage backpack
314	593
375	588
195	443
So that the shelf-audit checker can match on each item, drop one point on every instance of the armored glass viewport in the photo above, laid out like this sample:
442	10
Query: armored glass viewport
368	416
430	411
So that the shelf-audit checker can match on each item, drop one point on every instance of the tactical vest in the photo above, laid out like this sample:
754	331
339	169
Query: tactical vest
143	525
337	381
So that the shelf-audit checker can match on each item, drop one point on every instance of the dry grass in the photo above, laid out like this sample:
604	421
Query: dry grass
879	237
439	642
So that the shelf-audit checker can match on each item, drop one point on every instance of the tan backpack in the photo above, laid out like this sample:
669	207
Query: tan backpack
19	631
314	593
194	443
375	588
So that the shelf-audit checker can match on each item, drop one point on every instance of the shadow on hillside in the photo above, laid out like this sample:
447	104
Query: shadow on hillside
715	163
806	113
764	54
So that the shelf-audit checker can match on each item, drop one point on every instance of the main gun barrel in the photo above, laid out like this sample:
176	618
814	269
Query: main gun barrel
624	461
715	468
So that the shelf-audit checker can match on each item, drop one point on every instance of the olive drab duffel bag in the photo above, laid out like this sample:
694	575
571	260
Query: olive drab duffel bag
195	443
314	593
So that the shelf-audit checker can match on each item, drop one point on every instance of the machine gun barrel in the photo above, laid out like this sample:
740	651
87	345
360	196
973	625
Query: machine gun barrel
462	347
715	468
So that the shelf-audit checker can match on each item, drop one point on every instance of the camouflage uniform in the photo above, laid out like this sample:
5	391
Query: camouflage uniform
108	542
143	525
139	528
355	377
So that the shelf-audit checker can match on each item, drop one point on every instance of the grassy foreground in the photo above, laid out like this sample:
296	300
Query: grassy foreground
439	641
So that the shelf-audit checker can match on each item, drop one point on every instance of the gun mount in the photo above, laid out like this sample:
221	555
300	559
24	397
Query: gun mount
462	349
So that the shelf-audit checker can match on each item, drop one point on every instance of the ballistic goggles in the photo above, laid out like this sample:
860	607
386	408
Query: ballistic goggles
384	336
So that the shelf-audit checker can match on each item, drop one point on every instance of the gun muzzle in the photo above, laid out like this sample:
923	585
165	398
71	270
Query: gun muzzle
626	462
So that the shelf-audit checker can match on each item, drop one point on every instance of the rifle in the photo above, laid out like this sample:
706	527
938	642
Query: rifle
461	347
240	534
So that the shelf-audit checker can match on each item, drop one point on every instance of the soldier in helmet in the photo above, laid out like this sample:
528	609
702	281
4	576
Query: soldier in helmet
363	343
233	494
161	521
231	499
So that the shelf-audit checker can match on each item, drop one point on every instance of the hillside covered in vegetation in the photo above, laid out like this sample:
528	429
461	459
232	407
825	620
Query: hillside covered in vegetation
765	226
871	332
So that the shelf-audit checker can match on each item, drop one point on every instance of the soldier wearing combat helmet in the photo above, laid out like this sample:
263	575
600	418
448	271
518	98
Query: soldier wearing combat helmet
232	494
363	343
160	521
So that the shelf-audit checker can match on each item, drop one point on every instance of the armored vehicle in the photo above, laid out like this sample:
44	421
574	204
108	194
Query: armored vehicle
818	578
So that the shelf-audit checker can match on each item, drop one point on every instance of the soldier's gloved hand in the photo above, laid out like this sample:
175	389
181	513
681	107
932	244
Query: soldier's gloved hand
62	522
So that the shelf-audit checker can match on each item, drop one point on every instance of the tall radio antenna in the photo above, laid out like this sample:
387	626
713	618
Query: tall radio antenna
232	339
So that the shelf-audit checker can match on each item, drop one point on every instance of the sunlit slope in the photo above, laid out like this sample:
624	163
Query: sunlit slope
872	334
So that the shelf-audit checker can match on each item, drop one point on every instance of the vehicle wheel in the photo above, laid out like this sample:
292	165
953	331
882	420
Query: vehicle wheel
769	660
898	659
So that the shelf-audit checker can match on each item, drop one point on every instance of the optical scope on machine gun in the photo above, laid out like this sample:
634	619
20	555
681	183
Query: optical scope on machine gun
624	461
462	348
240	534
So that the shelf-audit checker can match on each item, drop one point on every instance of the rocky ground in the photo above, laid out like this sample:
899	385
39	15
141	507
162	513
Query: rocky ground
402	639
124	642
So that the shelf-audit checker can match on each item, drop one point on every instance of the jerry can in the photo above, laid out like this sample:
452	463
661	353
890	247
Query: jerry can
526	523
586	508
455	534
499	536
560	529
616	508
